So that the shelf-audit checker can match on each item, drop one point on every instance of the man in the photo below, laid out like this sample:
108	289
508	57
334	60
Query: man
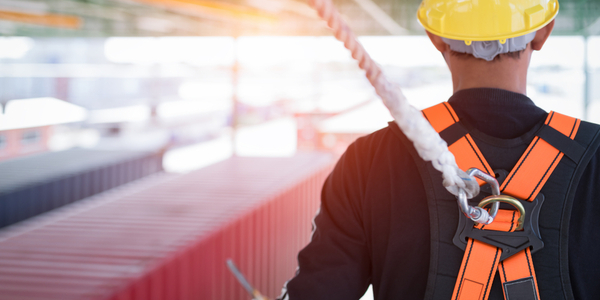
375	223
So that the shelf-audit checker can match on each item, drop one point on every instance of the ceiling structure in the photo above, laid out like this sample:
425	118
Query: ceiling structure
102	18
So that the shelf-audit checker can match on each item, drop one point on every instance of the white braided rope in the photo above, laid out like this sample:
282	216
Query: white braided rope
426	140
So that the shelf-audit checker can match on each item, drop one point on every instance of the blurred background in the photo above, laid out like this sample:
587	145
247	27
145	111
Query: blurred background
196	130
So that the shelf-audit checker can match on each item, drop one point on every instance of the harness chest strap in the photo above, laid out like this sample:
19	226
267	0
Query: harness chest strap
481	260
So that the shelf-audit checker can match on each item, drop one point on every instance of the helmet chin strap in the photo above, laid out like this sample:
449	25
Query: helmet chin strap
489	49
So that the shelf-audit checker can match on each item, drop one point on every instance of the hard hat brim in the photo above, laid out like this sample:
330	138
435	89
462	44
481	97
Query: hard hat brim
484	36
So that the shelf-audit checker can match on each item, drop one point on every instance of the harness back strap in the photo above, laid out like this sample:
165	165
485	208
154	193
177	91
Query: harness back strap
481	260
539	160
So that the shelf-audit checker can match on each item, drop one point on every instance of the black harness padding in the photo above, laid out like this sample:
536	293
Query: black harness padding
523	288
551	262
453	133
564	144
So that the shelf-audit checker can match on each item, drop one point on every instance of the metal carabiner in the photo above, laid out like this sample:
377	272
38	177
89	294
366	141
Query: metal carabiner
478	214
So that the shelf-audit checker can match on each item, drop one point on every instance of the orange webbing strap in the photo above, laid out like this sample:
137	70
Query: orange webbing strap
476	271
480	261
518	276
442	116
539	160
525	182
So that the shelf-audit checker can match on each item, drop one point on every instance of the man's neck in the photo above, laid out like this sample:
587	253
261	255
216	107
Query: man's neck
506	73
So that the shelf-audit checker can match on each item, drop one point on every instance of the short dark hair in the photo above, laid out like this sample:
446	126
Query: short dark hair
515	55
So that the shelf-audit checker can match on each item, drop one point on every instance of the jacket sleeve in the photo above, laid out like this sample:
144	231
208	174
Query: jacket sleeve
336	263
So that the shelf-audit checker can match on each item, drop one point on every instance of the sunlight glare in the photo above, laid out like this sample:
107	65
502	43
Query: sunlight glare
202	51
562	51
37	112
15	47
260	52
134	113
176	109
272	138
206	90
190	158
403	51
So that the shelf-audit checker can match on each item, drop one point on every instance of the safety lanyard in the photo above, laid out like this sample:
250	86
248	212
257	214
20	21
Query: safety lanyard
481	260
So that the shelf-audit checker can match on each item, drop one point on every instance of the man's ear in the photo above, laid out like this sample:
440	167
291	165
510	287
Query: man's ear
437	42
541	36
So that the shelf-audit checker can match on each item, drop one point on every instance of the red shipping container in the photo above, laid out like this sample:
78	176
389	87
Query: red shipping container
168	236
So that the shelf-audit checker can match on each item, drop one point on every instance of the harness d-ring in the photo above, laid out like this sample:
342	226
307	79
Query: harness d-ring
496	199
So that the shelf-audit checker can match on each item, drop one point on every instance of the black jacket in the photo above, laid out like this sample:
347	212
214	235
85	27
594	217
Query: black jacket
373	225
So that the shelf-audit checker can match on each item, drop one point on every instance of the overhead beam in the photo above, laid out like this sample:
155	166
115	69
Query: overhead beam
48	20
291	6
213	9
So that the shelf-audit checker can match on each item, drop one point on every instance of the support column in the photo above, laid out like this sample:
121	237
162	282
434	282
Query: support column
235	69
586	72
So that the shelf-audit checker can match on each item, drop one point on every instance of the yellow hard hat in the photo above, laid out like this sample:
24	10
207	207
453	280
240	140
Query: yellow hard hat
485	20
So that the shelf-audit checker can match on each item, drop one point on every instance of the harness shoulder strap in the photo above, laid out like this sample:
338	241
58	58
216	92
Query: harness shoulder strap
445	121
539	160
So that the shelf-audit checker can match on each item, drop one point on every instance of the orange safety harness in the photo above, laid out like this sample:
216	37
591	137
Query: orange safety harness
490	248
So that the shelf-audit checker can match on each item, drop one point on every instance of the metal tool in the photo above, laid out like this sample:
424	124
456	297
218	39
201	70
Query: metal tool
254	293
